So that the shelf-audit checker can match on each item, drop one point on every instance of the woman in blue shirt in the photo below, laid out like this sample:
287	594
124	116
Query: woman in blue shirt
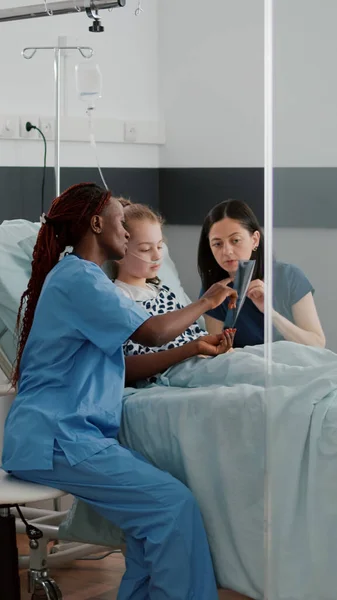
62	428
230	233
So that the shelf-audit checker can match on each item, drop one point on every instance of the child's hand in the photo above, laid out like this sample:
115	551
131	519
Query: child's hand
226	345
231	333
212	345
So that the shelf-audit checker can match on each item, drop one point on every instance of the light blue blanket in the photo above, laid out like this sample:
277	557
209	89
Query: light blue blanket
213	439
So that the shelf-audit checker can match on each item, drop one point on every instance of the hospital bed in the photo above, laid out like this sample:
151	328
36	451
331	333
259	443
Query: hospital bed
213	439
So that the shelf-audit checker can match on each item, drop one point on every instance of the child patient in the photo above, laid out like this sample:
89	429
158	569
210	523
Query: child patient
136	276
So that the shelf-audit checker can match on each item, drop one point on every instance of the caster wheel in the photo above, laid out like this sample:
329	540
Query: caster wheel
47	590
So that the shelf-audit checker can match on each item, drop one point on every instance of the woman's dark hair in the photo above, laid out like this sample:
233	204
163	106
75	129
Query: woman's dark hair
65	224
209	270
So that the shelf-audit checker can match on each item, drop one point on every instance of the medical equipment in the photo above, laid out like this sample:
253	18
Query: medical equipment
139	9
149	262
28	53
97	26
89	89
59	7
243	277
269	165
88	83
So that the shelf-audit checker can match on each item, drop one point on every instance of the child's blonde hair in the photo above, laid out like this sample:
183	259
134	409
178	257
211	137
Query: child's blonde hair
137	212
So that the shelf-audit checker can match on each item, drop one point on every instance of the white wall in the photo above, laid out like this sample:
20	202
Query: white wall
127	53
211	82
305	83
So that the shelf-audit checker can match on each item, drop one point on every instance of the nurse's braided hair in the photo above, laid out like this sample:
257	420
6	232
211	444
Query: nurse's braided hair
65	224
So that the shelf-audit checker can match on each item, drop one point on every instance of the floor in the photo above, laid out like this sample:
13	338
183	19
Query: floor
92	580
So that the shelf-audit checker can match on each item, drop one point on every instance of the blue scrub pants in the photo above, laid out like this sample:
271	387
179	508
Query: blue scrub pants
168	556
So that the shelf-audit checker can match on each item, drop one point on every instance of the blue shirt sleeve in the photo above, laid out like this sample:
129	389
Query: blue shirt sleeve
291	284
300	285
103	314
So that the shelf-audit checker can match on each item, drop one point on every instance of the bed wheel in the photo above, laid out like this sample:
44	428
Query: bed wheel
47	590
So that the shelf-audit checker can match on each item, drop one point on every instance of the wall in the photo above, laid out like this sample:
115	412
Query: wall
211	83
211	93
305	85
127	54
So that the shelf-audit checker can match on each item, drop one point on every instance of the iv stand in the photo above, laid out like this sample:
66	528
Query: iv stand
28	53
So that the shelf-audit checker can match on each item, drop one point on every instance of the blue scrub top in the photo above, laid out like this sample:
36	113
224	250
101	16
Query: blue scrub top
72	369
290	286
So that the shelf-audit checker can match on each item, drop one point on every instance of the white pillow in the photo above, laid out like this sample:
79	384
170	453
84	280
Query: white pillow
15	268
167	273
27	245
169	276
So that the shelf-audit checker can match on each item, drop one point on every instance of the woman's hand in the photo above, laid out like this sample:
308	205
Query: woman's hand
218	292
256	293
212	345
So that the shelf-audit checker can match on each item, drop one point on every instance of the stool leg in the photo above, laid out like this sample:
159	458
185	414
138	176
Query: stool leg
9	561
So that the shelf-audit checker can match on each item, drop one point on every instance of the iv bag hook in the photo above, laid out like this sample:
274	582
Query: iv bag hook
139	9
48	10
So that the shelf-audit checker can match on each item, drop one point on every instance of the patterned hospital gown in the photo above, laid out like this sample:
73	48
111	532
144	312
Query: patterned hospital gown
163	300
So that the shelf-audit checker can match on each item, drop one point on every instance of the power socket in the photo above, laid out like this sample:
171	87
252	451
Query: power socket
46	124
28	135
130	132
9	127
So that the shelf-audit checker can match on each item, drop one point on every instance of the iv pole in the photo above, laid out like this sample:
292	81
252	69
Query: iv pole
28	53
52	8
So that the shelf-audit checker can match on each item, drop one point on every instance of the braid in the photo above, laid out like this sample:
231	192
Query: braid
66	223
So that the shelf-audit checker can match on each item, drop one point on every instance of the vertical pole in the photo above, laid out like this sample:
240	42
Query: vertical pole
268	300
57	72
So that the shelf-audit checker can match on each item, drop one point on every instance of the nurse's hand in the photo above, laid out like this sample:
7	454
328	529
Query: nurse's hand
256	293
218	292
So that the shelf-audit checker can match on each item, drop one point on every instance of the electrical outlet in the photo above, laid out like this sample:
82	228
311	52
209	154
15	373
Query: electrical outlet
46	125
9	127
28	135
130	132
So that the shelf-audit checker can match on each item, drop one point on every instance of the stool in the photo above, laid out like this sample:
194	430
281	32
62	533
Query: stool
13	493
